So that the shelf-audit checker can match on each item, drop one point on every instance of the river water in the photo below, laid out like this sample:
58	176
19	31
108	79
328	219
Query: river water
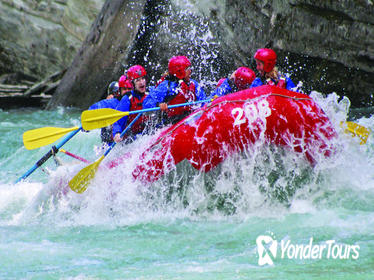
188	225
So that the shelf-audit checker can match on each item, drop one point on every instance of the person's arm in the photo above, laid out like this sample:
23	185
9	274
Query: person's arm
119	125
223	89
156	96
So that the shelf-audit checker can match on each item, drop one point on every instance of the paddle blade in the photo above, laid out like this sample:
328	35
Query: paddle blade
40	137
93	119
81	181
357	130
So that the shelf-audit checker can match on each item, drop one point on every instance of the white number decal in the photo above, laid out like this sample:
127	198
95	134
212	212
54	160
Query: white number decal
239	118
263	108
251	112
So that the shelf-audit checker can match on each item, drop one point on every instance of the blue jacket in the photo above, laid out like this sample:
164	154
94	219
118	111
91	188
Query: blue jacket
106	103
225	88
289	84
124	106
167	89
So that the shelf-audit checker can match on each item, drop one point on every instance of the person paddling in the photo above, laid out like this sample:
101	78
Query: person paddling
131	102
240	79
115	91
269	74
177	87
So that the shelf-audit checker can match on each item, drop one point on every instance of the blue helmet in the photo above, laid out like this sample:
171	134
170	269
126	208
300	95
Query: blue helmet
113	88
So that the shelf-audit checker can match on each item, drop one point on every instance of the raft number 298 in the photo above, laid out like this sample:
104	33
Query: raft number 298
251	112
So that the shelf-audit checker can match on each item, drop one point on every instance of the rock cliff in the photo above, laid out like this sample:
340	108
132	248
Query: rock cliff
326	45
39	38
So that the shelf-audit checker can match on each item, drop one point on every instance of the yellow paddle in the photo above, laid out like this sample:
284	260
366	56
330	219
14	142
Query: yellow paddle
50	153
357	130
82	179
40	137
93	119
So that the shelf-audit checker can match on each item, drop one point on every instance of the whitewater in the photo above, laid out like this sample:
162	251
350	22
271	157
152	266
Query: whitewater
188	225
252	217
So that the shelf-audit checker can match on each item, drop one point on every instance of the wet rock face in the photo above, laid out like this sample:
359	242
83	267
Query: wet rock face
99	61
327	45
38	38
141	32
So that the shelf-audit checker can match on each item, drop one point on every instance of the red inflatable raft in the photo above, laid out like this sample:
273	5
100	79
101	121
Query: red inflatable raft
232	123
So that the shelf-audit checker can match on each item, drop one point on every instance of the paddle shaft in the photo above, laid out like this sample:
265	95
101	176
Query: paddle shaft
123	133
74	156
50	153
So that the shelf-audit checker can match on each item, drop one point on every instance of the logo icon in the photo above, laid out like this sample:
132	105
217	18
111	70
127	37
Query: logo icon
266	246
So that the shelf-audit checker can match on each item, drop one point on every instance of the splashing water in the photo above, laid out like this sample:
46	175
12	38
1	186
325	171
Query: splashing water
259	178
264	188
189	224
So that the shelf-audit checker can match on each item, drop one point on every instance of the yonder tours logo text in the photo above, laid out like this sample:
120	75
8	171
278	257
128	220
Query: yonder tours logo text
267	249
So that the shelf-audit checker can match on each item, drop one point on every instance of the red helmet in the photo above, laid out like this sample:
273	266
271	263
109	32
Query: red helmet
177	66
268	56
123	82
220	82
244	77
135	72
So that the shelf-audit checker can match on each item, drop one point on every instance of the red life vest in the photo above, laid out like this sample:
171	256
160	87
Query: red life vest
185	93
136	104
281	82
